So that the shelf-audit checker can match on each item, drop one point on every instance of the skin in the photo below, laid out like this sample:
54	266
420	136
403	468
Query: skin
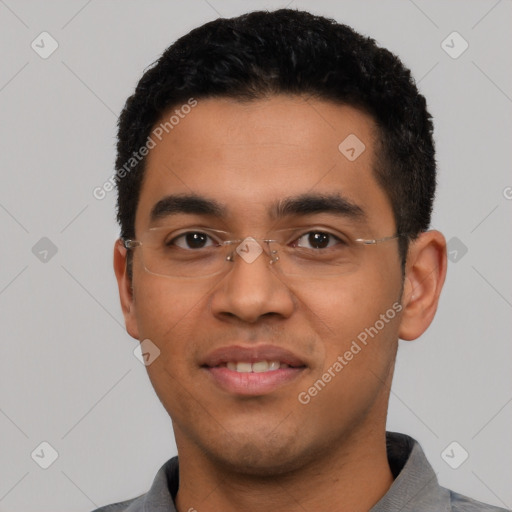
254	453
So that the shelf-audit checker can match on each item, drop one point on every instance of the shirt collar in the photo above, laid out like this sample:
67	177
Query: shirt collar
415	486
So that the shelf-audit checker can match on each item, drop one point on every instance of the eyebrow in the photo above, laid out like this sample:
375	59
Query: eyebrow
301	205
306	204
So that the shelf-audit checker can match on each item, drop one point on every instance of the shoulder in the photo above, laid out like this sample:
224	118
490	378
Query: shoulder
132	505
462	503
160	495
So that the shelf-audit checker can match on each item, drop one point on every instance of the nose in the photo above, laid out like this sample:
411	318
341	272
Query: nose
252	289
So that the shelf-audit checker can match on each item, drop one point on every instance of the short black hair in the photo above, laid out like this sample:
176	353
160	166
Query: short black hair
294	52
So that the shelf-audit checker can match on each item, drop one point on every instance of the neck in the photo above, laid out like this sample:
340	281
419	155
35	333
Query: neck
351	477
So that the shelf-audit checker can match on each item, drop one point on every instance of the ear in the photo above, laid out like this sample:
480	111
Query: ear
125	289
424	278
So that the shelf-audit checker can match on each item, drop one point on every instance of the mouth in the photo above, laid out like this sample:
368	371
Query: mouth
256	367
252	371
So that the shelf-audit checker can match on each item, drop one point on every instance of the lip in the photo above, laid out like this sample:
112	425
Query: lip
252	384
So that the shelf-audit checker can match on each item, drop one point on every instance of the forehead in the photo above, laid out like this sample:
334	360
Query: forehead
250	155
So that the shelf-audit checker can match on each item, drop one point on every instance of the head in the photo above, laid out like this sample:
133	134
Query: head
249	113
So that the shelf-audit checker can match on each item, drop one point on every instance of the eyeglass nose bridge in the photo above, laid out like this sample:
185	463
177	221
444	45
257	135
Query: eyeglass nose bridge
249	250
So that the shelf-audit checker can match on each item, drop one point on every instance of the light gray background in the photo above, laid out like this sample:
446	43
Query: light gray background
67	369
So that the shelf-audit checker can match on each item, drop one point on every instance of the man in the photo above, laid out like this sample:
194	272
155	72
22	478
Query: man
275	178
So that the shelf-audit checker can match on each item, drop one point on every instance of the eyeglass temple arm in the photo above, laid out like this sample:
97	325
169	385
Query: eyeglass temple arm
376	240
128	243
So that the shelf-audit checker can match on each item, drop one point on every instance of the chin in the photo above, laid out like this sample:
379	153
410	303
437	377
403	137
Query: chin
260	456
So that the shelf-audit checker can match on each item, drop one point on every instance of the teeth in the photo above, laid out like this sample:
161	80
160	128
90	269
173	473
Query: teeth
260	366
243	367
257	367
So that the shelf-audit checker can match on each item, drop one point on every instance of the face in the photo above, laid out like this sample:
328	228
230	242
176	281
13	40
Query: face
248	158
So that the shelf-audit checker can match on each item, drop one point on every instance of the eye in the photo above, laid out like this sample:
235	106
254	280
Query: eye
317	240
192	240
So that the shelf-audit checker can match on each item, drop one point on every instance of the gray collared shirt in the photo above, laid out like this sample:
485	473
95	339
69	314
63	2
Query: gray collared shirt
415	488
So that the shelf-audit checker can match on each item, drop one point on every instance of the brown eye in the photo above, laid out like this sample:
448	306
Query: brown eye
316	240
191	240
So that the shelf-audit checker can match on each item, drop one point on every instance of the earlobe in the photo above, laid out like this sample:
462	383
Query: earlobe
424	279
125	289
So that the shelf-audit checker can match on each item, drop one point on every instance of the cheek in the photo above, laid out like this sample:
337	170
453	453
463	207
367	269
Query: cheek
167	313
348	305
360	350
362	316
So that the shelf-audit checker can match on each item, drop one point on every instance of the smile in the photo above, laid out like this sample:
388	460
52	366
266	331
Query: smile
253	370
256	367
